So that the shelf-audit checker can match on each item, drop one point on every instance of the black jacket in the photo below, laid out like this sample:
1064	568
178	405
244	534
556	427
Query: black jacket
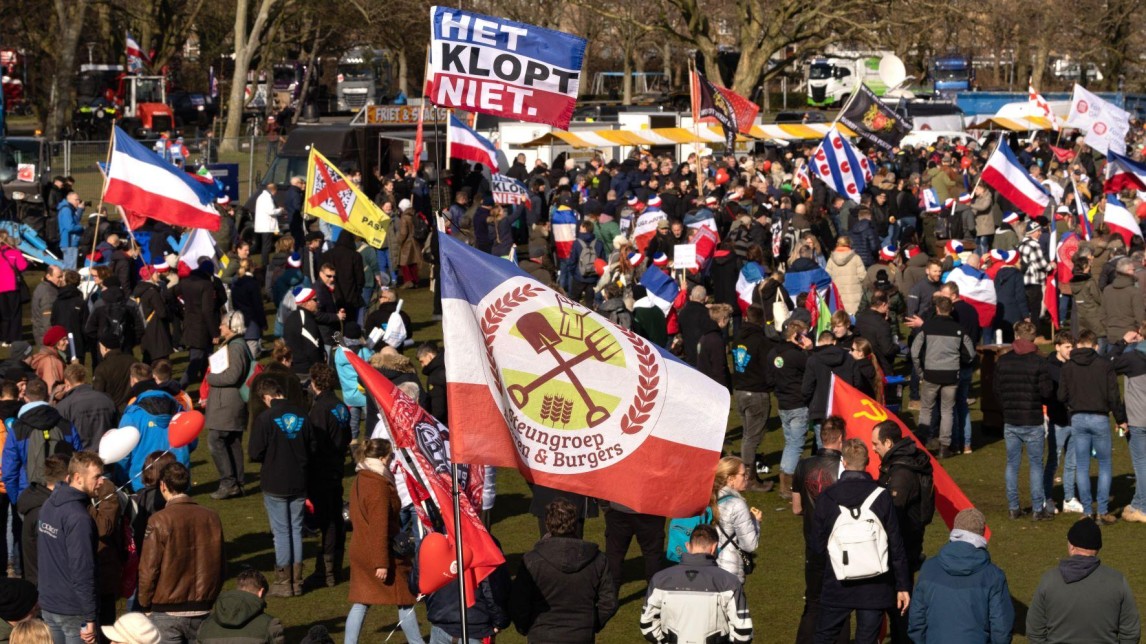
711	356
67	554
349	276
283	441
902	471
786	366
563	593
71	312
307	348
814	475
330	421
694	322
203	300
28	507
750	352
1057	412
1089	385
875	328
817	383
877	593
1022	379
489	612
435	373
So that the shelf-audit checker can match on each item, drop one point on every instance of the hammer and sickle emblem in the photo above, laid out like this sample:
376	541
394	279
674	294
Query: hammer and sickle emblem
876	414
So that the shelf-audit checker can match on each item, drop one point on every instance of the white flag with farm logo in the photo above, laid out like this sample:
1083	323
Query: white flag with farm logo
1106	125
541	383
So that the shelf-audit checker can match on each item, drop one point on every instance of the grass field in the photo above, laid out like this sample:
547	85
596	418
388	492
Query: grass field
1022	548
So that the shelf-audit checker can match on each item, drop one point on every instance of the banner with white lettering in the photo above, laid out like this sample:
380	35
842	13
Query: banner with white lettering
509	191
496	66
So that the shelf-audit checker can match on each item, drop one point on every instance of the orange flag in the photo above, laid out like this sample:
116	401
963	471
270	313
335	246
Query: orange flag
861	414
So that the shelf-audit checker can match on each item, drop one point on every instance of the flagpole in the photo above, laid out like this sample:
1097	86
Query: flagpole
458	549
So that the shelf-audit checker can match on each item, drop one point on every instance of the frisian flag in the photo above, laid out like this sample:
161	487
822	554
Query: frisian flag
712	103
840	165
425	448
140	180
861	414
977	289
509	191
874	120
538	382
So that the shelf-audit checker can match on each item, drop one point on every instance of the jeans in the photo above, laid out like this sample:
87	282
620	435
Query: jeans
1092	431
357	414
227	452
833	619
1057	438
438	636
384	265
962	429
929	392
795	423
754	408
285	516
407	620
65	628
1138	458
177	630
1064	302
1017	437
71	254
904	222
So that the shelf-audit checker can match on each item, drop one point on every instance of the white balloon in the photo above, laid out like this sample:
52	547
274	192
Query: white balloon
118	443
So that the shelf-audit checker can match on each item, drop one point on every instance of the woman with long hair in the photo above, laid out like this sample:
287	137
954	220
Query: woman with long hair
869	375
737	524
377	575
12	263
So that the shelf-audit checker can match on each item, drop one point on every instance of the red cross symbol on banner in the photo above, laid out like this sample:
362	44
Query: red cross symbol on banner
330	190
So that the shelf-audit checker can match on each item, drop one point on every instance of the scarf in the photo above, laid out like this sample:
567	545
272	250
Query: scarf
376	465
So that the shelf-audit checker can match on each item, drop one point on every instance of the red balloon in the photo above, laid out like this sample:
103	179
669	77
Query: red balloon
437	563
184	428
965	163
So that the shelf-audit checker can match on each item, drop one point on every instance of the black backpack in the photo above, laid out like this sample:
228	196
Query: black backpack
117	321
927	498
421	228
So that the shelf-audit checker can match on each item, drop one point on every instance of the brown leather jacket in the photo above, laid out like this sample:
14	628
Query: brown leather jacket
181	560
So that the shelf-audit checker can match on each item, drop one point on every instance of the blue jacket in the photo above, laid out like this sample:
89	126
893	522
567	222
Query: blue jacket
865	241
69	221
961	598
151	414
571	264
1012	297
32	417
352	393
66	554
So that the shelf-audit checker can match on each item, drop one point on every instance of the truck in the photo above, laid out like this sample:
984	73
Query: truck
952	72
364	78
832	79
138	104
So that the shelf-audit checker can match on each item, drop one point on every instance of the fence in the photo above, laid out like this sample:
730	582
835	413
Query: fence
80	159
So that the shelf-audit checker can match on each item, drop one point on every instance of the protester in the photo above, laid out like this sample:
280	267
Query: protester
1022	378
737	522
752	392
226	416
37	432
239	615
906	472
940	350
330	423
90	412
787	364
31	503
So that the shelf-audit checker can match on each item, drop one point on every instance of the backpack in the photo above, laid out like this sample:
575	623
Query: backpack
857	546
421	228
118	322
587	260
926	498
128	548
680	531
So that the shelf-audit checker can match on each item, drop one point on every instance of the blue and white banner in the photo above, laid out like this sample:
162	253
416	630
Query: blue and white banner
496	66
507	190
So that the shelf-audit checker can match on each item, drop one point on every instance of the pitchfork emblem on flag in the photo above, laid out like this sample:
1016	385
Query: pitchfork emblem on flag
331	192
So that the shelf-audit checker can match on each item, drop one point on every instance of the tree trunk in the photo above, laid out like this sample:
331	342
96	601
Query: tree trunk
61	97
1039	62
627	75
403	72
307	76
246	45
666	63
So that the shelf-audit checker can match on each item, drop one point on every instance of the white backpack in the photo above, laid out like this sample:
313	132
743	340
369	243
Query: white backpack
780	311
857	546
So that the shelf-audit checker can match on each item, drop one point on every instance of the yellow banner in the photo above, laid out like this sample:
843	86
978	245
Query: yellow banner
332	197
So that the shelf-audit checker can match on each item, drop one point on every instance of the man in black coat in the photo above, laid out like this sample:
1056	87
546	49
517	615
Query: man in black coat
302	333
1022	379
434	368
330	421
349	275
70	311
751	389
203	301
872	325
905	471
328	312
871	597
694	322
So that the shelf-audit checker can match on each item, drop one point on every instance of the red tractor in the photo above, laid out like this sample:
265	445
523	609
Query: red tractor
144	112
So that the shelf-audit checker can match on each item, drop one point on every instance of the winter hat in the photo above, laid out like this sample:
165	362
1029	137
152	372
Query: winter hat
954	247
132	628
971	520
161	267
1011	218
633	201
887	253
965	198
635	258
294	261
1006	257
1033	227
145	272
949	204
17	599
655	201
711	200
404	205
223	200
663	224
1085	534
912	251
303	294
54	335
620	241
20	350
660	259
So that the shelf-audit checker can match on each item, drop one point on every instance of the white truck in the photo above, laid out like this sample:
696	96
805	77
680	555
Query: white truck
830	79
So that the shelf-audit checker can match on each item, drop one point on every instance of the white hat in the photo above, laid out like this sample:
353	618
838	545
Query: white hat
132	628
404	205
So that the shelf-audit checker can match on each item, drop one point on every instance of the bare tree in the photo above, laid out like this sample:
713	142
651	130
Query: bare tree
248	39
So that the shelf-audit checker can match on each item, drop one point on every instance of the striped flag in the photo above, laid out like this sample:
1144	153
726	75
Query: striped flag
1123	173
563	224
135	56
803	178
750	277
1120	220
1007	176
470	146
931	201
1050	290
1041	105
977	289
662	289
840	165
1083	210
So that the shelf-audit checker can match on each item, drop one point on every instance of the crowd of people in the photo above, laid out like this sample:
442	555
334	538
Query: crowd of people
792	285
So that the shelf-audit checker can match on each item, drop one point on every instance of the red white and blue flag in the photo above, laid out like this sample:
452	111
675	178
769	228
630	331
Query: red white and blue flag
563	223
140	180
931	200
135	56
661	289
840	165
471	146
645	227
1123	174
977	289
491	65
1007	176
538	382
1120	220
750	277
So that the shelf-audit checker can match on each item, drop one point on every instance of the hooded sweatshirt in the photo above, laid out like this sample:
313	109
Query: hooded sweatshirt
1081	600
905	470
1088	385
817	382
961	598
563	593
239	618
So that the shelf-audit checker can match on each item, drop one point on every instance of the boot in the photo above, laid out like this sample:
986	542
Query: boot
321	576
756	485
296	579
281	586
333	567
785	486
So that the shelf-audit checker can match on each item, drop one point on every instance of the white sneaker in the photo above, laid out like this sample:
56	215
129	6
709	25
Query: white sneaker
1073	505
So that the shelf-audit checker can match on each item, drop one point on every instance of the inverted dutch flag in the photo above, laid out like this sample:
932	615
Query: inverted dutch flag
840	165
1120	220
645	227
977	289
1006	175
470	146
1123	173
662	290
750	276
135	55
138	179
563	223
931	201
545	385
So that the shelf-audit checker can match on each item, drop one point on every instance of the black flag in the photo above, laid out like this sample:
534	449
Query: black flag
715	104
871	119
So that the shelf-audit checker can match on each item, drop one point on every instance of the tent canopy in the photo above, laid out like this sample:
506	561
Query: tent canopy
679	135
1016	124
